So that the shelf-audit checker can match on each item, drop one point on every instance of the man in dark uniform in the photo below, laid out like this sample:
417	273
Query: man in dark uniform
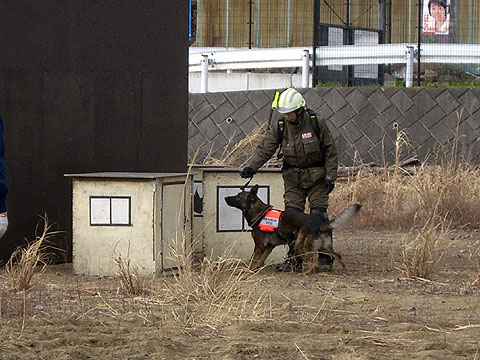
309	162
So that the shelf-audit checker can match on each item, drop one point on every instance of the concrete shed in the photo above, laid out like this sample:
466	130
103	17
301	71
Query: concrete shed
138	216
217	227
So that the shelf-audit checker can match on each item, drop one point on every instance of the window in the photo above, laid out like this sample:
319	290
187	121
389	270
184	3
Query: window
110	211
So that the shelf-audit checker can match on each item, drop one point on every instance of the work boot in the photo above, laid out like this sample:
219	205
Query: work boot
324	261
292	263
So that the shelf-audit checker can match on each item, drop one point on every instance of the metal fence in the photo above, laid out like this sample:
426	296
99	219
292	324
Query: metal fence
253	24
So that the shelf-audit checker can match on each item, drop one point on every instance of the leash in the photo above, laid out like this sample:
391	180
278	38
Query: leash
246	184
260	217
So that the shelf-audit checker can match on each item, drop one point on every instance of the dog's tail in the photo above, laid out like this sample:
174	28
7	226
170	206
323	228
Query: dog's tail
345	216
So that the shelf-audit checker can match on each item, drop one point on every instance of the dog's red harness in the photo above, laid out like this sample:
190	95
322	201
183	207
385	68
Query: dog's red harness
270	221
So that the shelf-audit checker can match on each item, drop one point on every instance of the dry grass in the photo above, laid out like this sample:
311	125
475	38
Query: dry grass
131	282
214	290
423	248
238	154
24	262
211	290
476	282
396	199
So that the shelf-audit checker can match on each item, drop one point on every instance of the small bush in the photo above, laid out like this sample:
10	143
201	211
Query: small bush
213	290
400	199
423	248
22	265
130	281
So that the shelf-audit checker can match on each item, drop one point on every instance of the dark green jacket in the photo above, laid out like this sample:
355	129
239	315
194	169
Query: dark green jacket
301	147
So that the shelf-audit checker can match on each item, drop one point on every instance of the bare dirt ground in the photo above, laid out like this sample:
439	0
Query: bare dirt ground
368	311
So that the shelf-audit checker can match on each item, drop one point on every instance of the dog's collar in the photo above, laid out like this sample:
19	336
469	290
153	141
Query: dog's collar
260	217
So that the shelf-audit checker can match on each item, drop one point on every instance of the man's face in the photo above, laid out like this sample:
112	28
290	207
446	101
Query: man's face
438	13
291	117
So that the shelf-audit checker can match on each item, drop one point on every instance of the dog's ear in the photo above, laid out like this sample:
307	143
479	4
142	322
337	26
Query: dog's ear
252	195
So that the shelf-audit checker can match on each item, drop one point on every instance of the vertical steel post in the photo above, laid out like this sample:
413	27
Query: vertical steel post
410	21
316	21
350	41
348	9
227	24
382	15
257	25
420	26
250	24
305	68
204	74
382	25
199	40
389	22
470	21
288	23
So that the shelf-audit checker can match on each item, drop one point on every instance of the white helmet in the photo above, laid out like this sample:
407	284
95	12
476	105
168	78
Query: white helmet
290	100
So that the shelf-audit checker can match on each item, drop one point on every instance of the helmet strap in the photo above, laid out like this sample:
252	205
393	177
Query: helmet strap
299	113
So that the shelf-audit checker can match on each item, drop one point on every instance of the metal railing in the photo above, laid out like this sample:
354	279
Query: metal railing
303	24
223	59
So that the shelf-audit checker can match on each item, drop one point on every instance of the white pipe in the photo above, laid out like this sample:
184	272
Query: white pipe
409	71
305	69
204	75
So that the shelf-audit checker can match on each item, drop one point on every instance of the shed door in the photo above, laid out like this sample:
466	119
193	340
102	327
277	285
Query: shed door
176	223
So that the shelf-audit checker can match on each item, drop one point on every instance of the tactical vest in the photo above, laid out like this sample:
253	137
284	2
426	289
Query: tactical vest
313	122
270	221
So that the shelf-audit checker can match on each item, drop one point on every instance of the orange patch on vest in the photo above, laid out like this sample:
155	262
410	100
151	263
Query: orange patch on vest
270	221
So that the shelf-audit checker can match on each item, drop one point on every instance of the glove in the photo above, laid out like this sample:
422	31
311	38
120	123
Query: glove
246	172
330	184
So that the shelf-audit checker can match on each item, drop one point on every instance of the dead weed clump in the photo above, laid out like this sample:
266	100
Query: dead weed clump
214	290
211	290
399	199
131	282
238	154
383	198
23	264
476	282
423	248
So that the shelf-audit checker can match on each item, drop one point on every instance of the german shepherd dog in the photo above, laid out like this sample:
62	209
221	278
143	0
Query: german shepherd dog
310	234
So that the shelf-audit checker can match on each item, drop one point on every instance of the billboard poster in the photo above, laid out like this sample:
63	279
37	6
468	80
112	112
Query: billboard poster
436	17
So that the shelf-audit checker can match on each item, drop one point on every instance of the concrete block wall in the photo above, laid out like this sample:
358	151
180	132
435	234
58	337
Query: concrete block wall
363	120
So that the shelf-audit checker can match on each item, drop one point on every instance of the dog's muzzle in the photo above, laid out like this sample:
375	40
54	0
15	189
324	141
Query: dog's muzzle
231	201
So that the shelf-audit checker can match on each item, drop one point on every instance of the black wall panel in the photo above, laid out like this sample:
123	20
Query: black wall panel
87	86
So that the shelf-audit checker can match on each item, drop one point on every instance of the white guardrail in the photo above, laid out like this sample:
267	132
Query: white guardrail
204	60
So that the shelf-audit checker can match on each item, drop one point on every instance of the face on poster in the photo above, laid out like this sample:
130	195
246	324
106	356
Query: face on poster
436	17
